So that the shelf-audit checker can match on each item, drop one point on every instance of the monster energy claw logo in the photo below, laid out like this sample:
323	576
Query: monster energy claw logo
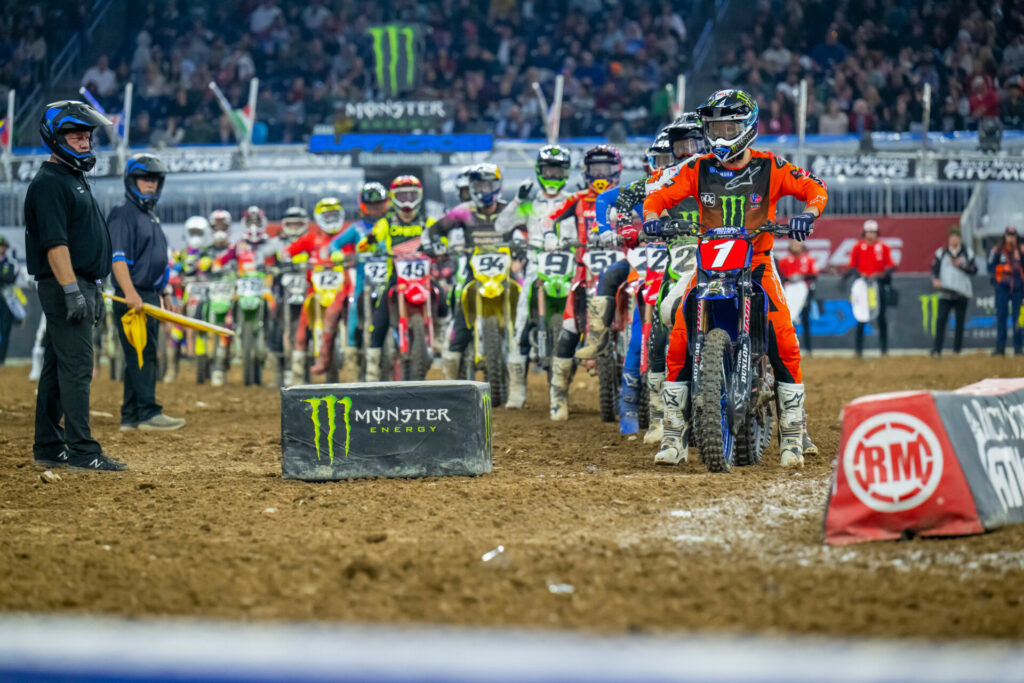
929	313
331	402
387	54
733	209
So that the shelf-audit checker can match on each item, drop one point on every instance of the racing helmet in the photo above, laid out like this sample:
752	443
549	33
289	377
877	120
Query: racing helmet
197	232
330	215
686	135
462	184
373	200
485	184
144	166
729	120
254	224
220	224
406	193
602	166
68	116
552	168
659	154
295	222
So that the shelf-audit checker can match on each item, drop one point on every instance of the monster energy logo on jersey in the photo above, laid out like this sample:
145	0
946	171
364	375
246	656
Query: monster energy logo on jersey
331	402
395	49
733	209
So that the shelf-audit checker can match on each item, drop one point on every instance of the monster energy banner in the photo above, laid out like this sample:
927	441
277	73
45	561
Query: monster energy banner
912	322
391	429
396	115
396	54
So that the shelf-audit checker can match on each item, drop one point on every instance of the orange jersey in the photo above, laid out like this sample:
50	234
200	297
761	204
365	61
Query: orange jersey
734	197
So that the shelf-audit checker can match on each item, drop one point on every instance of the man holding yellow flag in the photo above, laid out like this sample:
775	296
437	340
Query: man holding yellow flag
141	269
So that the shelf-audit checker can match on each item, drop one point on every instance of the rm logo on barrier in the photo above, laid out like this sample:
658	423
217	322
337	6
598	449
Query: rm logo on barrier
893	462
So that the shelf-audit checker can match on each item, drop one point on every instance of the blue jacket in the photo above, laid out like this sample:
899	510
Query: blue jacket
139	241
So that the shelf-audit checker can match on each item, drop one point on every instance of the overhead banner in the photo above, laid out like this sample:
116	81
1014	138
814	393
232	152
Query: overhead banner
398	115
861	166
981	169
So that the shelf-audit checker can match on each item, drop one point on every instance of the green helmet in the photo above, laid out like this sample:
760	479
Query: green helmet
552	168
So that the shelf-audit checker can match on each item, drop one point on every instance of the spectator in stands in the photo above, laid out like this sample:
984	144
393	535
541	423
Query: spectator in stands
951	276
1006	264
861	119
100	78
829	53
984	100
1012	108
871	259
834	122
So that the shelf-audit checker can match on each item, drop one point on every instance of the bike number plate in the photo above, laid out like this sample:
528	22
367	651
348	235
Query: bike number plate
724	254
555	264
637	258
223	289
249	286
328	279
490	265
413	270
657	258
293	282
376	271
682	258
198	288
599	259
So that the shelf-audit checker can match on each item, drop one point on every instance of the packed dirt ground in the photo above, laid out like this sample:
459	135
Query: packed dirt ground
595	536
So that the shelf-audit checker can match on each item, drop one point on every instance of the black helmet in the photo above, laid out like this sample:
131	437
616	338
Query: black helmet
552	168
295	222
686	134
66	116
730	123
602	166
145	166
659	154
373	200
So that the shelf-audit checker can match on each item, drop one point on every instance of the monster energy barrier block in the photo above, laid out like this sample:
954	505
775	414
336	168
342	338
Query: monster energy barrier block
386	429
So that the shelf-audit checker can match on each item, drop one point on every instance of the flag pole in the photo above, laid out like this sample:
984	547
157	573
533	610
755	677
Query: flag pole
10	137
126	122
254	88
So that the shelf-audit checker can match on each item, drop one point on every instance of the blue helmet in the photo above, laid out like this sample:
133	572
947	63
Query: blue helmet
66	116
729	118
146	166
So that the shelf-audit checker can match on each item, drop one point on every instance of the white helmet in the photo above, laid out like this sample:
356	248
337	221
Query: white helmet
197	232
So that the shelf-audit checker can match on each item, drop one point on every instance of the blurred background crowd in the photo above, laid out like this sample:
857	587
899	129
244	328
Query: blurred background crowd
866	61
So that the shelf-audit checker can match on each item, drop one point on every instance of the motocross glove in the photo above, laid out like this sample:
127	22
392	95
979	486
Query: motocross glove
630	237
653	227
801	226
525	190
75	303
606	239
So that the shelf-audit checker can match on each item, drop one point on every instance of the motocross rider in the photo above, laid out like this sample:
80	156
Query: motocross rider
462	184
373	206
602	166
469	224
531	208
729	119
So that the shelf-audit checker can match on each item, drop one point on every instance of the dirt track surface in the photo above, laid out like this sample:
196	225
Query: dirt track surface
189	529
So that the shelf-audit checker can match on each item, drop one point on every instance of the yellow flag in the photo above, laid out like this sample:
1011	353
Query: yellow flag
134	324
177	318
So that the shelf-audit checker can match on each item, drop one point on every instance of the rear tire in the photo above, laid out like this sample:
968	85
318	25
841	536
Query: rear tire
755	436
553	332
643	403
714	437
248	355
609	377
494	361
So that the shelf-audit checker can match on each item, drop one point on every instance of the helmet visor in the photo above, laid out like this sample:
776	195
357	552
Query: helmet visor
554	172
220	236
330	217
293	226
661	160
408	196
724	130
480	187
375	208
685	147
601	169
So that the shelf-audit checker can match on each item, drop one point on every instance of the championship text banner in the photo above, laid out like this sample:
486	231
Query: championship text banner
861	166
1011	170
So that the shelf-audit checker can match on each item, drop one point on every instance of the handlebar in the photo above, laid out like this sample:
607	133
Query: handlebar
679	228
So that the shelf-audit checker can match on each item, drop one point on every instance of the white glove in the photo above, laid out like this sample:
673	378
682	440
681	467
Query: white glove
606	239
551	241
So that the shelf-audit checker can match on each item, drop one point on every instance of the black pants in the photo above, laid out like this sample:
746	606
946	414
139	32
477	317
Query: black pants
6	321
881	324
958	304
63	390
139	403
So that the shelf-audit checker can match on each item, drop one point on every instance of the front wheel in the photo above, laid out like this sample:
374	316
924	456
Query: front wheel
711	420
418	362
494	361
609	377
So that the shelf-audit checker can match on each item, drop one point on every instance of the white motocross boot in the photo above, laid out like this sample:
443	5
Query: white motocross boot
450	362
516	381
298	366
655	383
809	447
675	441
561	369
373	365
599	313
791	424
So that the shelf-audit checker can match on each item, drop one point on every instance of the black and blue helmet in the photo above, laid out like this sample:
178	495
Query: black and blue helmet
146	166
66	116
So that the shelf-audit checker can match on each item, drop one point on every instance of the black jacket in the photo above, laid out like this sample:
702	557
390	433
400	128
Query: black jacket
60	210
139	241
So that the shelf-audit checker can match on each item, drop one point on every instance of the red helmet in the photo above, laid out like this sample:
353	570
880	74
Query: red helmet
406	193
254	224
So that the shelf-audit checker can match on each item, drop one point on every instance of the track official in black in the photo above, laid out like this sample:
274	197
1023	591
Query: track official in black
141	267
68	251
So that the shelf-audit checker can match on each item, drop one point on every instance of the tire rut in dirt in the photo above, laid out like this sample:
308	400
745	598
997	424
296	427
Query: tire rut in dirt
708	421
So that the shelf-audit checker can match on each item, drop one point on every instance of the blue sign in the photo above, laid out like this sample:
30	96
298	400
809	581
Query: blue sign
389	143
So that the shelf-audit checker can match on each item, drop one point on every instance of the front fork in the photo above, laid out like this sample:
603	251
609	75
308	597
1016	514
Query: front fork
542	321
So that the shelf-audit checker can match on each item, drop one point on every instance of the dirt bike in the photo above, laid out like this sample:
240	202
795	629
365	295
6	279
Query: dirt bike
375	279
489	304
555	270
609	365
733	383
251	302
292	287
328	282
221	293
196	300
413	301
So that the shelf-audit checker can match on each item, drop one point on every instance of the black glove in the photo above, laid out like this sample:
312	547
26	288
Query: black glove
525	189
75	303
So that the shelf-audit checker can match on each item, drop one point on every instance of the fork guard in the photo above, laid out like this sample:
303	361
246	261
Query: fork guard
490	306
